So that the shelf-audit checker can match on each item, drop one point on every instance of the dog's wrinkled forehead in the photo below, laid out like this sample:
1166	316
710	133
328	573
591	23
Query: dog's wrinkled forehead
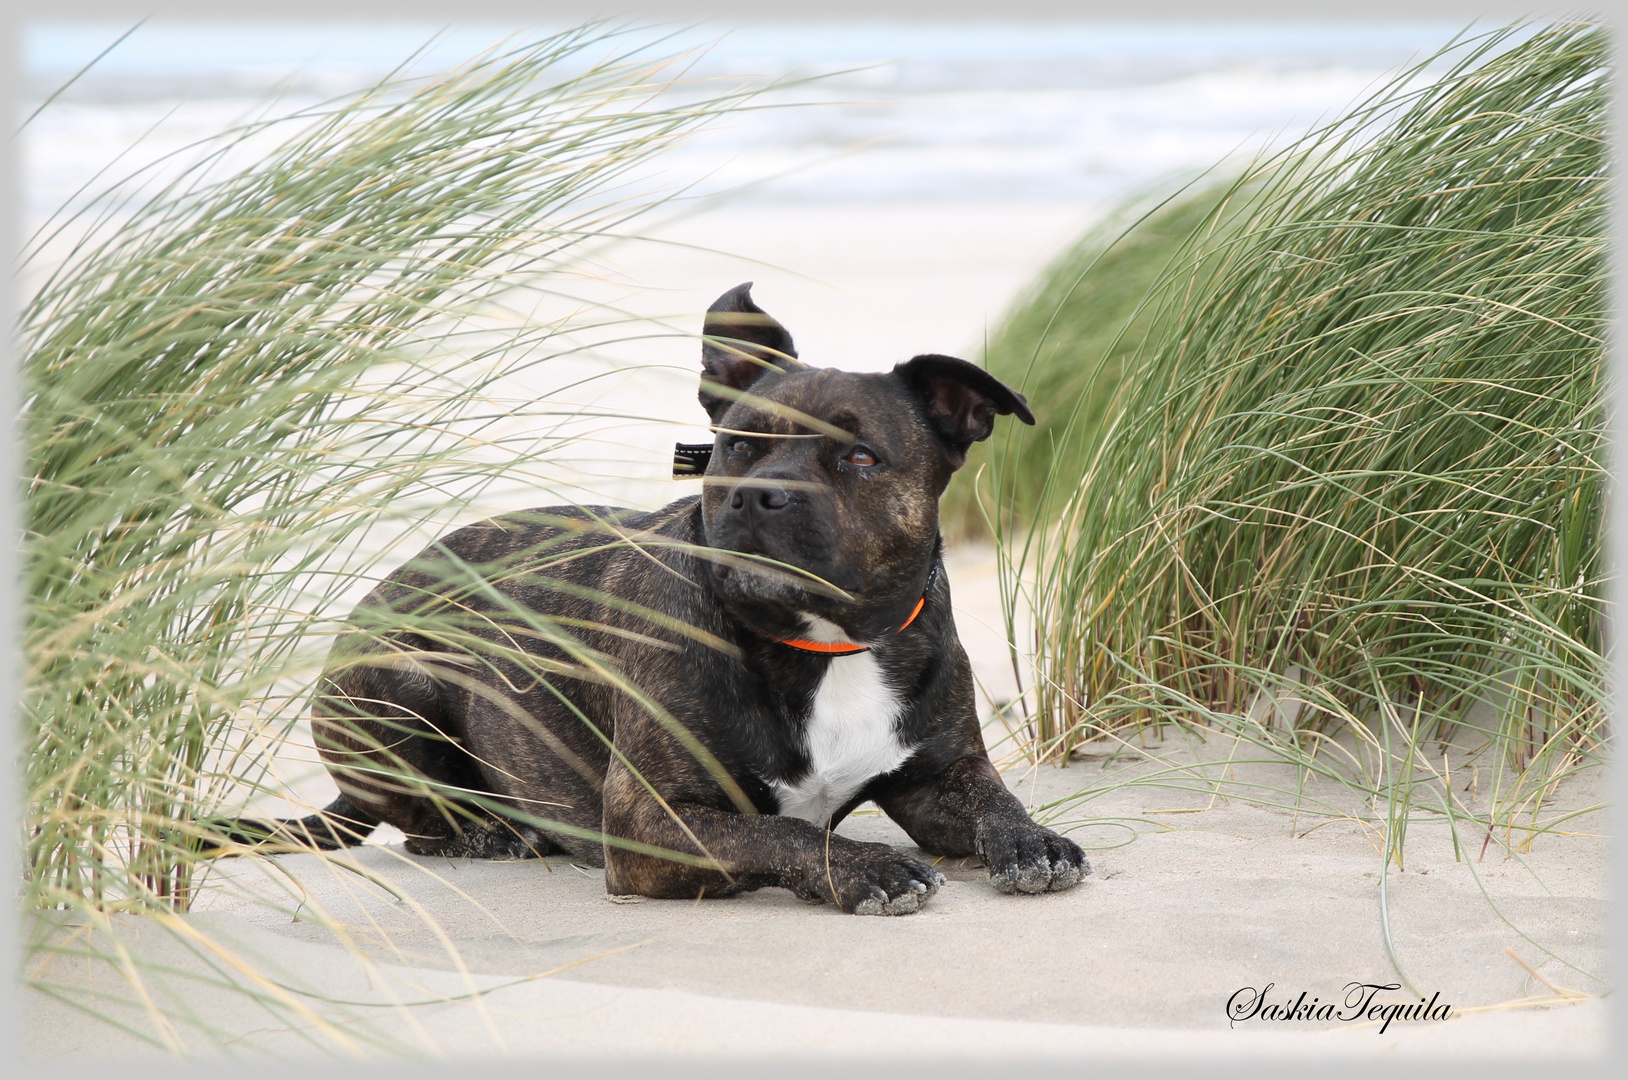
845	406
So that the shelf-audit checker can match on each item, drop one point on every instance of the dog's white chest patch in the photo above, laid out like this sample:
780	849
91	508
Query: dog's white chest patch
849	736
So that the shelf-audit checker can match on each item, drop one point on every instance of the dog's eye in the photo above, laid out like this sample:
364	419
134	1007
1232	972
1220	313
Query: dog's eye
860	456
740	446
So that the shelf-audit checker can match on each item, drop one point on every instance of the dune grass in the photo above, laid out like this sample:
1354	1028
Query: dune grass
239	388
1337	489
1066	345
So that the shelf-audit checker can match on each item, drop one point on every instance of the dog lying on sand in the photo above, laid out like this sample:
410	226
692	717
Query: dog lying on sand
782	649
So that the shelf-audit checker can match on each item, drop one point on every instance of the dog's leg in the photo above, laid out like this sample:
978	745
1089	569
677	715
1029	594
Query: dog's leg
389	743
966	810
493	838
750	852
340	824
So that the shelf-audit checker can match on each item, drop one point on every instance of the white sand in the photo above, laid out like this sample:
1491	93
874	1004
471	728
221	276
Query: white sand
1138	962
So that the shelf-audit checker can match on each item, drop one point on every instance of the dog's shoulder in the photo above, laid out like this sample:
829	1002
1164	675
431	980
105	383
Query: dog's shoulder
537	534
562	528
517	551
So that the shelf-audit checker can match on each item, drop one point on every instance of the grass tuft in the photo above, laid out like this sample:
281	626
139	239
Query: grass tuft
1067	345
241	388
1341	473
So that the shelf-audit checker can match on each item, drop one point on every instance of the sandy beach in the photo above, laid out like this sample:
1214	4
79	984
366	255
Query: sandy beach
1209	900
1198	906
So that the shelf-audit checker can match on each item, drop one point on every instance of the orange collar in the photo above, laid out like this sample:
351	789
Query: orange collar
849	648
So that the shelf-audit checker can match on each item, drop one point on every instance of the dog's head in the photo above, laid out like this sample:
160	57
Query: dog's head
836	473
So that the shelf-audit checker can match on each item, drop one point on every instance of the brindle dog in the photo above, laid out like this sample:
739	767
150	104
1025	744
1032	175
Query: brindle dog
773	703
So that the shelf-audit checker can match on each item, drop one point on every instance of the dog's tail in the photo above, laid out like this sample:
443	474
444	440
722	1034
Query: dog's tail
340	824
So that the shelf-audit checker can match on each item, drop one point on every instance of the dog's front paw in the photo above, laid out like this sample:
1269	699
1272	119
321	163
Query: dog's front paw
1025	858
873	879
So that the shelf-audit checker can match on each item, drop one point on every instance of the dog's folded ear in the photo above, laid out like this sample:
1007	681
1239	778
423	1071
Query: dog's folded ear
961	401
741	343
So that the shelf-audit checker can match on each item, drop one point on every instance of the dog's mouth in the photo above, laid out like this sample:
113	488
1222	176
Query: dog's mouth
766	577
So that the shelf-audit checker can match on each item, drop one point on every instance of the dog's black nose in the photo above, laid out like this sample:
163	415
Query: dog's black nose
768	498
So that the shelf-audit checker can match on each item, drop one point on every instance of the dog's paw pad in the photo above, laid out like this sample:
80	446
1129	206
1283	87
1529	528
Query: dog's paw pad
1067	873
1034	877
1066	879
874	904
1034	861
891	885
908	904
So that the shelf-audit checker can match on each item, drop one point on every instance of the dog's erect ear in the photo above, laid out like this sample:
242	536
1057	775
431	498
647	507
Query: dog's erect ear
742	343
961	401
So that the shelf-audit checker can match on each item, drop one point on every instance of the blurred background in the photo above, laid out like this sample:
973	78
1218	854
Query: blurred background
893	192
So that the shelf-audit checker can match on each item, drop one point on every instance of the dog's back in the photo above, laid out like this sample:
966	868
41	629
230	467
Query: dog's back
498	644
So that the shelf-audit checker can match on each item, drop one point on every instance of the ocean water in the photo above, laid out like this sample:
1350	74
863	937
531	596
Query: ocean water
883	112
